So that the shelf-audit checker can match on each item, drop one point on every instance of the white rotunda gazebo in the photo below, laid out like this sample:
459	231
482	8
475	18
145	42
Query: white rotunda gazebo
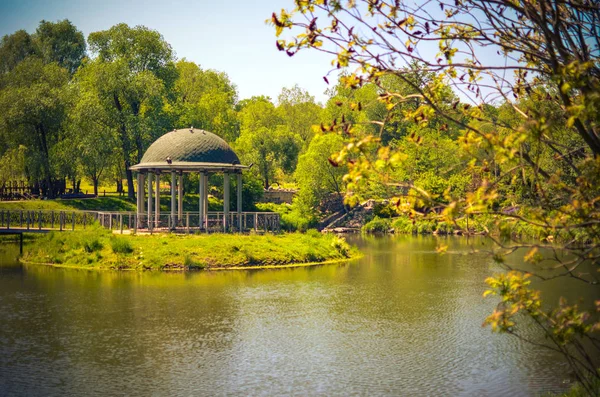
186	151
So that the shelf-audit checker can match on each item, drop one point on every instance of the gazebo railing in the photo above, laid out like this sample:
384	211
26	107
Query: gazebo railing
190	221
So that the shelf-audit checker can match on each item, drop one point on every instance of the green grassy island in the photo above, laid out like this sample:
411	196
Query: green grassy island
96	248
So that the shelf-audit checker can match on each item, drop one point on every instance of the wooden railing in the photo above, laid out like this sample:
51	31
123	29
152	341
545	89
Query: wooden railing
48	220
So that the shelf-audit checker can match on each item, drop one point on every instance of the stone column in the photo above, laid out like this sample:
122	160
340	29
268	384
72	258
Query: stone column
201	194
173	200
226	202
157	200
205	204
140	193
180	197
150	200
239	201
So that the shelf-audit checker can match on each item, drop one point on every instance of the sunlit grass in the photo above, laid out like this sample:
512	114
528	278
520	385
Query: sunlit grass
98	248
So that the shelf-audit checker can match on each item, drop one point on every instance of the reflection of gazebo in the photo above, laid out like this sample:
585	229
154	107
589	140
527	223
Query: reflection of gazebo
188	150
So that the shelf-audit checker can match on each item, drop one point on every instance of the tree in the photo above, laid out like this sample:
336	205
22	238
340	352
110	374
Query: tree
205	99
264	140
32	109
317	175
299	112
131	74
509	53
94	142
15	48
60	42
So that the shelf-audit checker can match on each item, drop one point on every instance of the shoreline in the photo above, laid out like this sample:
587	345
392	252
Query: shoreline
184	269
98	249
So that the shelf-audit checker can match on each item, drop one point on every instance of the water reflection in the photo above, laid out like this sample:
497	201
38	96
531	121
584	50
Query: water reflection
401	320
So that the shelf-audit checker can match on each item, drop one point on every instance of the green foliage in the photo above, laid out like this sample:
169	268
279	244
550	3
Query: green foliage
377	225
205	99
518	153
185	251
92	245
317	178
265	140
299	113
120	245
384	210
192	264
60	42
291	218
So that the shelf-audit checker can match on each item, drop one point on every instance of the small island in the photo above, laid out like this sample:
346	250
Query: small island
97	248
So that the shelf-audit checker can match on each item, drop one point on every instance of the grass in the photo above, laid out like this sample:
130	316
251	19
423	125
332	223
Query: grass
98	248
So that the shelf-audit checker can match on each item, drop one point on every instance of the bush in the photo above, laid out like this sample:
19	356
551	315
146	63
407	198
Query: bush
341	246
402	225
445	228
377	225
190	263
92	245
120	246
291	218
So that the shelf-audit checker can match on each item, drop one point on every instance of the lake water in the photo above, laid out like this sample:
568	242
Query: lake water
402	320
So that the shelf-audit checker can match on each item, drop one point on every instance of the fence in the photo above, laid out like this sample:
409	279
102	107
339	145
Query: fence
190	222
44	220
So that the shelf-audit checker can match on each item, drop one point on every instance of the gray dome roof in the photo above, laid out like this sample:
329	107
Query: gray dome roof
189	145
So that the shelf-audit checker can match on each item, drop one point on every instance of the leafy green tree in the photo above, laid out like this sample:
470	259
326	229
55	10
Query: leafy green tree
131	74
545	51
205	99
32	109
265	140
14	48
299	112
94	143
317	175
12	165
60	42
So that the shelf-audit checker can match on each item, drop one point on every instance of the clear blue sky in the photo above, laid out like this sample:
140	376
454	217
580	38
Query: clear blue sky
230	36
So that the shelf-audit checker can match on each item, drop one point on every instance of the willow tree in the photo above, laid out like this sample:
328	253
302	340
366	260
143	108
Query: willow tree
131	75
493	53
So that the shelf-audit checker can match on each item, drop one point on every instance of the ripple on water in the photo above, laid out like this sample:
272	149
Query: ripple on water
400	321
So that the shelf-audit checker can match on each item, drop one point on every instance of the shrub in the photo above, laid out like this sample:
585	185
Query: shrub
341	246
377	225
190	263
402	225
120	245
92	245
444	228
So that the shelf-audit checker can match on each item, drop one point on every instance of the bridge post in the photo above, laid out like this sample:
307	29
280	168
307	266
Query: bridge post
40	220
52	220
8	220
28	220
121	222
60	220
